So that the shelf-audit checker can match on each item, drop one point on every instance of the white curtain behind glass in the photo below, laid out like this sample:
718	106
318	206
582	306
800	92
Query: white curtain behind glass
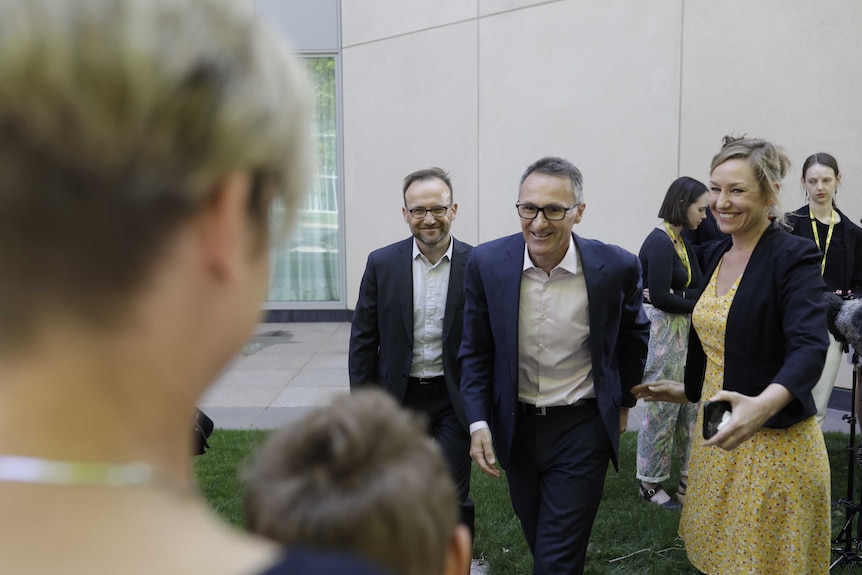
304	267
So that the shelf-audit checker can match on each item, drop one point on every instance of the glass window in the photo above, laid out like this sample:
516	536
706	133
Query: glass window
305	266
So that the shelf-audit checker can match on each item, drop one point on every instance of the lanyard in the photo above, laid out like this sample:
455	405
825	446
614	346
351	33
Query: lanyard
817	236
679	246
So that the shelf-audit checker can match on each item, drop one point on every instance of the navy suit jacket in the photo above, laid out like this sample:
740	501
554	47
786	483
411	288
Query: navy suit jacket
381	335
619	333
776	325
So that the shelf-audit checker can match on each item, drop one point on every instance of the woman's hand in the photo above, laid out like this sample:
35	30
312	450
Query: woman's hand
748	414
646	295
661	390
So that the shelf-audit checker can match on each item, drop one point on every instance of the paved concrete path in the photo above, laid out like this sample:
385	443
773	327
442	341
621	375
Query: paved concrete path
286	369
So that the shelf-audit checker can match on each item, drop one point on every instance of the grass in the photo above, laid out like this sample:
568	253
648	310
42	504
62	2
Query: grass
629	536
217	472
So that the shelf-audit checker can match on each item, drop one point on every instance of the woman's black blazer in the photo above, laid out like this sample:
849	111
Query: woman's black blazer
776	326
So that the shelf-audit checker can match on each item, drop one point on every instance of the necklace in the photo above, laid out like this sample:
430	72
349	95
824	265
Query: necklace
35	470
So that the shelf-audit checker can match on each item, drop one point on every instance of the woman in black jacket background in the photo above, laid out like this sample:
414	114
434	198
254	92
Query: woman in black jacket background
840	242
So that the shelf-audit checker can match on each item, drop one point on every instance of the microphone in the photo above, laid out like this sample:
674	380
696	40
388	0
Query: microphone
844	319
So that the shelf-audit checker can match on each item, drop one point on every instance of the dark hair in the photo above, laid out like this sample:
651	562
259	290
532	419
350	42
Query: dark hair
427	174
682	193
554	166
823	159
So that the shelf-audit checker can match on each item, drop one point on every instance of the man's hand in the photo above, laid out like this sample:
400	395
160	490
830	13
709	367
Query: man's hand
624	419
482	452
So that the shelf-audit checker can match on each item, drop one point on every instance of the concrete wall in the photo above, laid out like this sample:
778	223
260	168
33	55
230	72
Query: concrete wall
634	93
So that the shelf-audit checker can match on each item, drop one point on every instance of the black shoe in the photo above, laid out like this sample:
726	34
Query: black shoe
648	494
680	491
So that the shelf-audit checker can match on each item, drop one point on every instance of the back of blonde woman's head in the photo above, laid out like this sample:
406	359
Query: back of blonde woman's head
116	119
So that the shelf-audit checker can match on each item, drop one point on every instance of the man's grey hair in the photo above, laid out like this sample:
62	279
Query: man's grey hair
554	166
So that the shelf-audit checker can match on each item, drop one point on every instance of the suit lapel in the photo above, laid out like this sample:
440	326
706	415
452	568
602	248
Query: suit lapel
508	282
455	292
597	291
404	286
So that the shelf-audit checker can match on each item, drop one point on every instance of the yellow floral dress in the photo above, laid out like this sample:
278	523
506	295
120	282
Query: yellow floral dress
764	506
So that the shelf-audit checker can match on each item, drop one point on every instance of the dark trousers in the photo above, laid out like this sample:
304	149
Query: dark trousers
432	399
556	478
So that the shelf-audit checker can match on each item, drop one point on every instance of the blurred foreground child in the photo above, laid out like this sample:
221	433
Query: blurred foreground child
360	475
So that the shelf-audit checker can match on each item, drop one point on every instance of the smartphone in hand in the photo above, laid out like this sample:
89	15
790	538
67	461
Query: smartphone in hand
713	414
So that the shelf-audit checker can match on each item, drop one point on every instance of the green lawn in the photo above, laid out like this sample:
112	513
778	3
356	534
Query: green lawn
629	535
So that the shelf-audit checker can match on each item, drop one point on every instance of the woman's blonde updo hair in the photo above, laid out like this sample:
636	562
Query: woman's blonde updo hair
769	163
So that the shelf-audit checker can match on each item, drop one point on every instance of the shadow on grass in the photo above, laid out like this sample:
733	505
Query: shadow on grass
629	536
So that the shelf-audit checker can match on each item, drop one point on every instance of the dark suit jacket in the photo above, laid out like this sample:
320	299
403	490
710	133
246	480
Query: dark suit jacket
776	326
381	336
619	332
852	244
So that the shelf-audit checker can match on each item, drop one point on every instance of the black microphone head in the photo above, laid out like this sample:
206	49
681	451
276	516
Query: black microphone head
834	304
849	322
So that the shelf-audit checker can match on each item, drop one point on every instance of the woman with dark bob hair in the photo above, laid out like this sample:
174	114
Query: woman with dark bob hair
672	280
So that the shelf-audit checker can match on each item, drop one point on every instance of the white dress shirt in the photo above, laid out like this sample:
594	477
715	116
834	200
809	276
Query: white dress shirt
554	362
554	353
430	287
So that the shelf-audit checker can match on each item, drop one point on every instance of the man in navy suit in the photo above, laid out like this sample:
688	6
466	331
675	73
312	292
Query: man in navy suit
554	338
408	321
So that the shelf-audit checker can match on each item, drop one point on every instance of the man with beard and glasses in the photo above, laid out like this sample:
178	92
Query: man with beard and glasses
407	323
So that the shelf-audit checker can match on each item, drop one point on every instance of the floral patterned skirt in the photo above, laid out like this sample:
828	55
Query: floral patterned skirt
666	427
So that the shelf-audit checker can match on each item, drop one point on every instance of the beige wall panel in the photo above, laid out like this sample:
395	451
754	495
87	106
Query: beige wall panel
370	20
488	7
409	103
594	82
785	70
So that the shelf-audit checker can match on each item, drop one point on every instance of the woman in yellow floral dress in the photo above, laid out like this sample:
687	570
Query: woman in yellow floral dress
758	497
